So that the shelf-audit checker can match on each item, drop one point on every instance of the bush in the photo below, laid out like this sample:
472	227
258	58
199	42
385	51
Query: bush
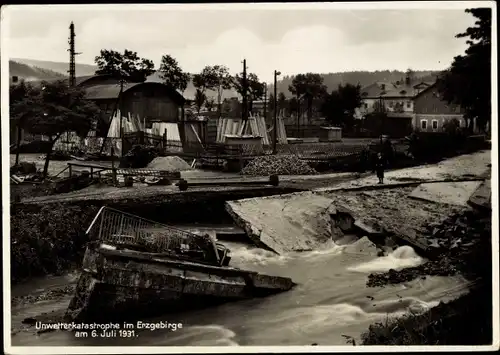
434	146
465	321
47	239
37	146
139	157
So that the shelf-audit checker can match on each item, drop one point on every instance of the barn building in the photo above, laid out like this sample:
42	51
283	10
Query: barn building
147	101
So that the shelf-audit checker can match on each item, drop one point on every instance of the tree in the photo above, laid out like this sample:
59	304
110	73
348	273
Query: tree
271	103
209	103
281	101
255	89
128	65
199	99
56	109
340	106
294	106
20	100
468	81
172	74
214	78
309	86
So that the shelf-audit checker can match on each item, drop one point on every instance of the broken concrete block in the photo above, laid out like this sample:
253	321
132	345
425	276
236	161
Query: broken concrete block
284	223
453	193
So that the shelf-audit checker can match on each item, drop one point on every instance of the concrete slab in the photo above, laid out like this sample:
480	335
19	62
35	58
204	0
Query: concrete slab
285	223
482	196
452	193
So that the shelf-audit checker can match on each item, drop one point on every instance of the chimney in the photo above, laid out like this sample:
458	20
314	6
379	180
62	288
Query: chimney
15	79
408	78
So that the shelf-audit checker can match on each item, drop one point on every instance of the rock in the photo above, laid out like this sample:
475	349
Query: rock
29	321
24	168
436	232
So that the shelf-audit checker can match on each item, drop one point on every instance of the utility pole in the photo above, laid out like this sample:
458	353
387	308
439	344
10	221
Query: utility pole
265	101
244	95
72	54
120	104
275	128
298	116
382	118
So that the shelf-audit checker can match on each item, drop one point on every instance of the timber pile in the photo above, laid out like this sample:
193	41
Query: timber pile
277	165
256	126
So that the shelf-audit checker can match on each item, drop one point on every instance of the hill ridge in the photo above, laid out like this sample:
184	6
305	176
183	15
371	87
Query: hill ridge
44	70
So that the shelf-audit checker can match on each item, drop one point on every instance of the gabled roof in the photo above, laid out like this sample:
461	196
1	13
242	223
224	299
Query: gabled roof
393	90
433	85
112	90
107	91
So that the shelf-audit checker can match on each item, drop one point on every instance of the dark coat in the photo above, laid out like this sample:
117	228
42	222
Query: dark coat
380	167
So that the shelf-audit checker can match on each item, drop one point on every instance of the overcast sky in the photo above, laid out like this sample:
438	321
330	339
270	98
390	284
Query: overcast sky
292	41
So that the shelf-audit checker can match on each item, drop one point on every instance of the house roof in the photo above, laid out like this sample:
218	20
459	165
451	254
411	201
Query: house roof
427	88
393	90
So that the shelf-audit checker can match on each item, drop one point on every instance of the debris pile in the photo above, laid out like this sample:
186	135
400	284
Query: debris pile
461	246
277	165
171	164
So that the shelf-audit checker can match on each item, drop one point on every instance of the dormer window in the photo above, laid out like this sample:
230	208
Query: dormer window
382	87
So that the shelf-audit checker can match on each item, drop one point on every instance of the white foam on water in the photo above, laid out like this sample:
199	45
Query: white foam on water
329	249
257	256
403	305
208	335
310	319
401	258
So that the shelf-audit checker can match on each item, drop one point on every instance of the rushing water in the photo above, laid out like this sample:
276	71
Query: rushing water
330	301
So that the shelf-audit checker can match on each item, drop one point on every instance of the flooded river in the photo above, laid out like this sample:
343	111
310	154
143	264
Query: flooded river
331	300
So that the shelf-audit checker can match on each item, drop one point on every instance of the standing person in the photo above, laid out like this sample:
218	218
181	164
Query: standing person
380	167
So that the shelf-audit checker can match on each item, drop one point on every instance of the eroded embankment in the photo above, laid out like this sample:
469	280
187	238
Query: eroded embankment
467	248
307	220
49	238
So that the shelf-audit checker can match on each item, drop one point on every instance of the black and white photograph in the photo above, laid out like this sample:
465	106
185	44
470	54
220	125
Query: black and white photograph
250	177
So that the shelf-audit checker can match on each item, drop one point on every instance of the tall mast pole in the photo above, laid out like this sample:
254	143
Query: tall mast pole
275	128
245	99
71	71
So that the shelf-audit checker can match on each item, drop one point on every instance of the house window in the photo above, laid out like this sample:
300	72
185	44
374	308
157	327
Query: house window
408	104
435	109
434	124
423	124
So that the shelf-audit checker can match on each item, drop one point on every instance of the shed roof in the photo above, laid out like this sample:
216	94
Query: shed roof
107	91
112	91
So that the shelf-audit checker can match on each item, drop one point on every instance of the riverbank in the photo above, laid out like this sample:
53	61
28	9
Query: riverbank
464	321
49	238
